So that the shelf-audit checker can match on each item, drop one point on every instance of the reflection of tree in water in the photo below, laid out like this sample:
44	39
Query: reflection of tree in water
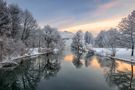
77	61
124	80
29	73
52	65
106	62
78	56
88	59
20	78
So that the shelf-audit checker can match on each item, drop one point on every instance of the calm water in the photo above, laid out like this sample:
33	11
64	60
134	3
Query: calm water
66	71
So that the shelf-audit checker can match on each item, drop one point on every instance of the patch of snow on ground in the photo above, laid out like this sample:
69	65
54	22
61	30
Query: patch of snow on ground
121	53
56	50
33	51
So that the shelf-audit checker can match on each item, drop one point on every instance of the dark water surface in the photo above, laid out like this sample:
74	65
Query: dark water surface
66	71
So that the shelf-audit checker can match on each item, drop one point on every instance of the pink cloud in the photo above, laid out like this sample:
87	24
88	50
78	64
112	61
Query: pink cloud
105	7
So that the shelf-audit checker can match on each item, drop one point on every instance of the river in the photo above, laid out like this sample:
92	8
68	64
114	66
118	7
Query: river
66	71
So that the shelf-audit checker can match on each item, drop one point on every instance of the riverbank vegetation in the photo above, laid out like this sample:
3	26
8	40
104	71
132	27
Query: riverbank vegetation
116	42
21	36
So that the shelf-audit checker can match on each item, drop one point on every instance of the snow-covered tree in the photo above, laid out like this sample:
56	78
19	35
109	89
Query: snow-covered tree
88	38
4	26
127	28
1	49
100	40
108	39
13	48
28	24
36	39
77	44
52	37
10	48
15	15
40	38
19	32
4	19
112	40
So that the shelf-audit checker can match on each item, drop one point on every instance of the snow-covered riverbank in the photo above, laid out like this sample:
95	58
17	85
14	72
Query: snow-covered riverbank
121	53
14	61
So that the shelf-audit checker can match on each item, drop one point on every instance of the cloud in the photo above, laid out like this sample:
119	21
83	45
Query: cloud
59	22
105	7
95	27
105	16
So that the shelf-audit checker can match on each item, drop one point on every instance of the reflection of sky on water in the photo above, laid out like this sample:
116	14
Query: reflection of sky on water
68	72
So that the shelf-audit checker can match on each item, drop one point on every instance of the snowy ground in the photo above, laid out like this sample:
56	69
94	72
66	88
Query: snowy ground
31	53
121	53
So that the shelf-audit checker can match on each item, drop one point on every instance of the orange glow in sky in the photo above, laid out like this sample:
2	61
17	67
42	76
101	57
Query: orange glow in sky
96	27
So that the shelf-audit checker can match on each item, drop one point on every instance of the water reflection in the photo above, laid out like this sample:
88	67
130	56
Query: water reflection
95	64
69	58
88	59
117	73
30	72
50	72
121	76
77	62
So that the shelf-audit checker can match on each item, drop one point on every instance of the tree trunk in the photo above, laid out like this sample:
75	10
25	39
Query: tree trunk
48	45
114	52
132	53
39	44
1	49
78	49
131	79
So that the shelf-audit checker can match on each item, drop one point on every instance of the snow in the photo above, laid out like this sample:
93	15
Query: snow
125	54
56	50
102	51
31	52
121	53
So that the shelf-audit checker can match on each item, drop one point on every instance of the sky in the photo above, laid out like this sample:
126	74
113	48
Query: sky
74	15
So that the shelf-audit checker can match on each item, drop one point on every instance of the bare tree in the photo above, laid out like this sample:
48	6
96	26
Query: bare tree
127	28
100	40
4	19
15	13
1	49
29	24
113	39
4	25
88	37
108	39
52	37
